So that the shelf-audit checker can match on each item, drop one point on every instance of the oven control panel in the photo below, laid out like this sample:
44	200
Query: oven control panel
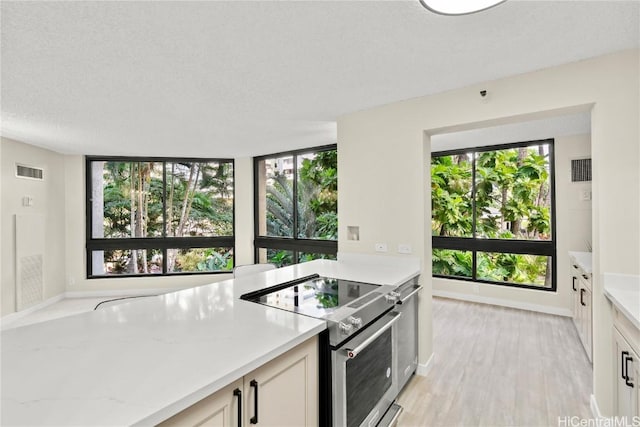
355	321
360	314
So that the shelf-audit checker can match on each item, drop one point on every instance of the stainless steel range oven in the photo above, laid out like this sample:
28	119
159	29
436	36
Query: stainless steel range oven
364	374
358	372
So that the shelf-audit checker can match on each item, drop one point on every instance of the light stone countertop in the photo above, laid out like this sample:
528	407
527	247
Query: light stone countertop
623	291
583	259
140	362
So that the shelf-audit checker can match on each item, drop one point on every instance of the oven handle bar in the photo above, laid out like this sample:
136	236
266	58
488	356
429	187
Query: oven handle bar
352	353
412	293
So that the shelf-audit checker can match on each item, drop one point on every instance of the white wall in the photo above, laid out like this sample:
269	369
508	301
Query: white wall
383	170
2	234
48	199
573	231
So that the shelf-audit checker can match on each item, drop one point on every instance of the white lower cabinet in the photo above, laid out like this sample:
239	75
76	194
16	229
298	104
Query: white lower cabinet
626	347
282	392
586	317
627	369
582	310
218	410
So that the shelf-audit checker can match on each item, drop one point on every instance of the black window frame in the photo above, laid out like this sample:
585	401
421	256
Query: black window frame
293	244
511	246
163	243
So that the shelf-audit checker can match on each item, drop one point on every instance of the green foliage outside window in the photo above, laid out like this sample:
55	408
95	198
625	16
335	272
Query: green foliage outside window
510	200
316	202
448	262
317	199
163	200
322	173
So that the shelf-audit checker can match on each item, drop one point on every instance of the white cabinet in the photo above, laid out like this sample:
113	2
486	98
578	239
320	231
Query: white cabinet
582	308
285	389
282	392
218	410
626	347
626	390
575	289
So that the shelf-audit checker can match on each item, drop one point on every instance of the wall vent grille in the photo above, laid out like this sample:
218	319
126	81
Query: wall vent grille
30	285
30	245
29	172
580	170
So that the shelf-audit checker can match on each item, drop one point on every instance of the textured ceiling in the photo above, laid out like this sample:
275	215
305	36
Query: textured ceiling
232	79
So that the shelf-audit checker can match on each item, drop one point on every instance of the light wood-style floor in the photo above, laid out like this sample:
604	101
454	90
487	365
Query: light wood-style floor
496	366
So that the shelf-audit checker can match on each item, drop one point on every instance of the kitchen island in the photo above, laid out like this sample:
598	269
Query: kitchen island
141	362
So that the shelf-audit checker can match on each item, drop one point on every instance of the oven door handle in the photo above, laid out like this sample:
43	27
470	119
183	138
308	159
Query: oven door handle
412	293
352	353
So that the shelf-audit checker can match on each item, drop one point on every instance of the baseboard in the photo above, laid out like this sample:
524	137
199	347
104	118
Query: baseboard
595	411
12	317
503	303
423	369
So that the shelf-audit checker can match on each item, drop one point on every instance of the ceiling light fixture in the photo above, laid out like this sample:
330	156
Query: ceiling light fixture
459	7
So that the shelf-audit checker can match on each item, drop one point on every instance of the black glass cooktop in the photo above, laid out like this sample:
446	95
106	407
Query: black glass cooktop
317	297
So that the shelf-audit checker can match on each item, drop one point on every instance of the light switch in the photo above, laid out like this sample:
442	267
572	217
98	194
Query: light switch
27	201
404	248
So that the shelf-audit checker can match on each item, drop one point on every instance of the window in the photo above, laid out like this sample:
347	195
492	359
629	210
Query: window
159	216
493	215
296	206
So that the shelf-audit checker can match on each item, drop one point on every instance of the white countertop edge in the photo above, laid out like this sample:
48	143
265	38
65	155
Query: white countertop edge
583	259
615	285
182	404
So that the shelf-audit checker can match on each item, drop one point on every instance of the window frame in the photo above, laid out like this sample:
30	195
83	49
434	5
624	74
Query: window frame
512	246
294	244
163	242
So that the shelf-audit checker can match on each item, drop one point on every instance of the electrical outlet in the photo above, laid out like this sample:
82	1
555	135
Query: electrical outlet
381	247
404	248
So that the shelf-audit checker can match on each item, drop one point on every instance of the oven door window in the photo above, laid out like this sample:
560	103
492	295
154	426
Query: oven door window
368	377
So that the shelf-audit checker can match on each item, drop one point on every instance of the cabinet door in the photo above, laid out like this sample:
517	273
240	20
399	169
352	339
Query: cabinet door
579	319
587	321
575	289
575	284
584	316
218	410
626	396
287	389
634	378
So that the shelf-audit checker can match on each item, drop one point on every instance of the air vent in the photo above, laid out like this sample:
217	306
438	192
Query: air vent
29	172
29	277
580	170
29	273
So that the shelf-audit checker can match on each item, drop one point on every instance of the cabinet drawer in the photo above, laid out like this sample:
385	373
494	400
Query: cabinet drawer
627	329
579	273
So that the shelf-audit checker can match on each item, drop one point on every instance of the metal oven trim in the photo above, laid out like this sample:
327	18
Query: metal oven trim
339	358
